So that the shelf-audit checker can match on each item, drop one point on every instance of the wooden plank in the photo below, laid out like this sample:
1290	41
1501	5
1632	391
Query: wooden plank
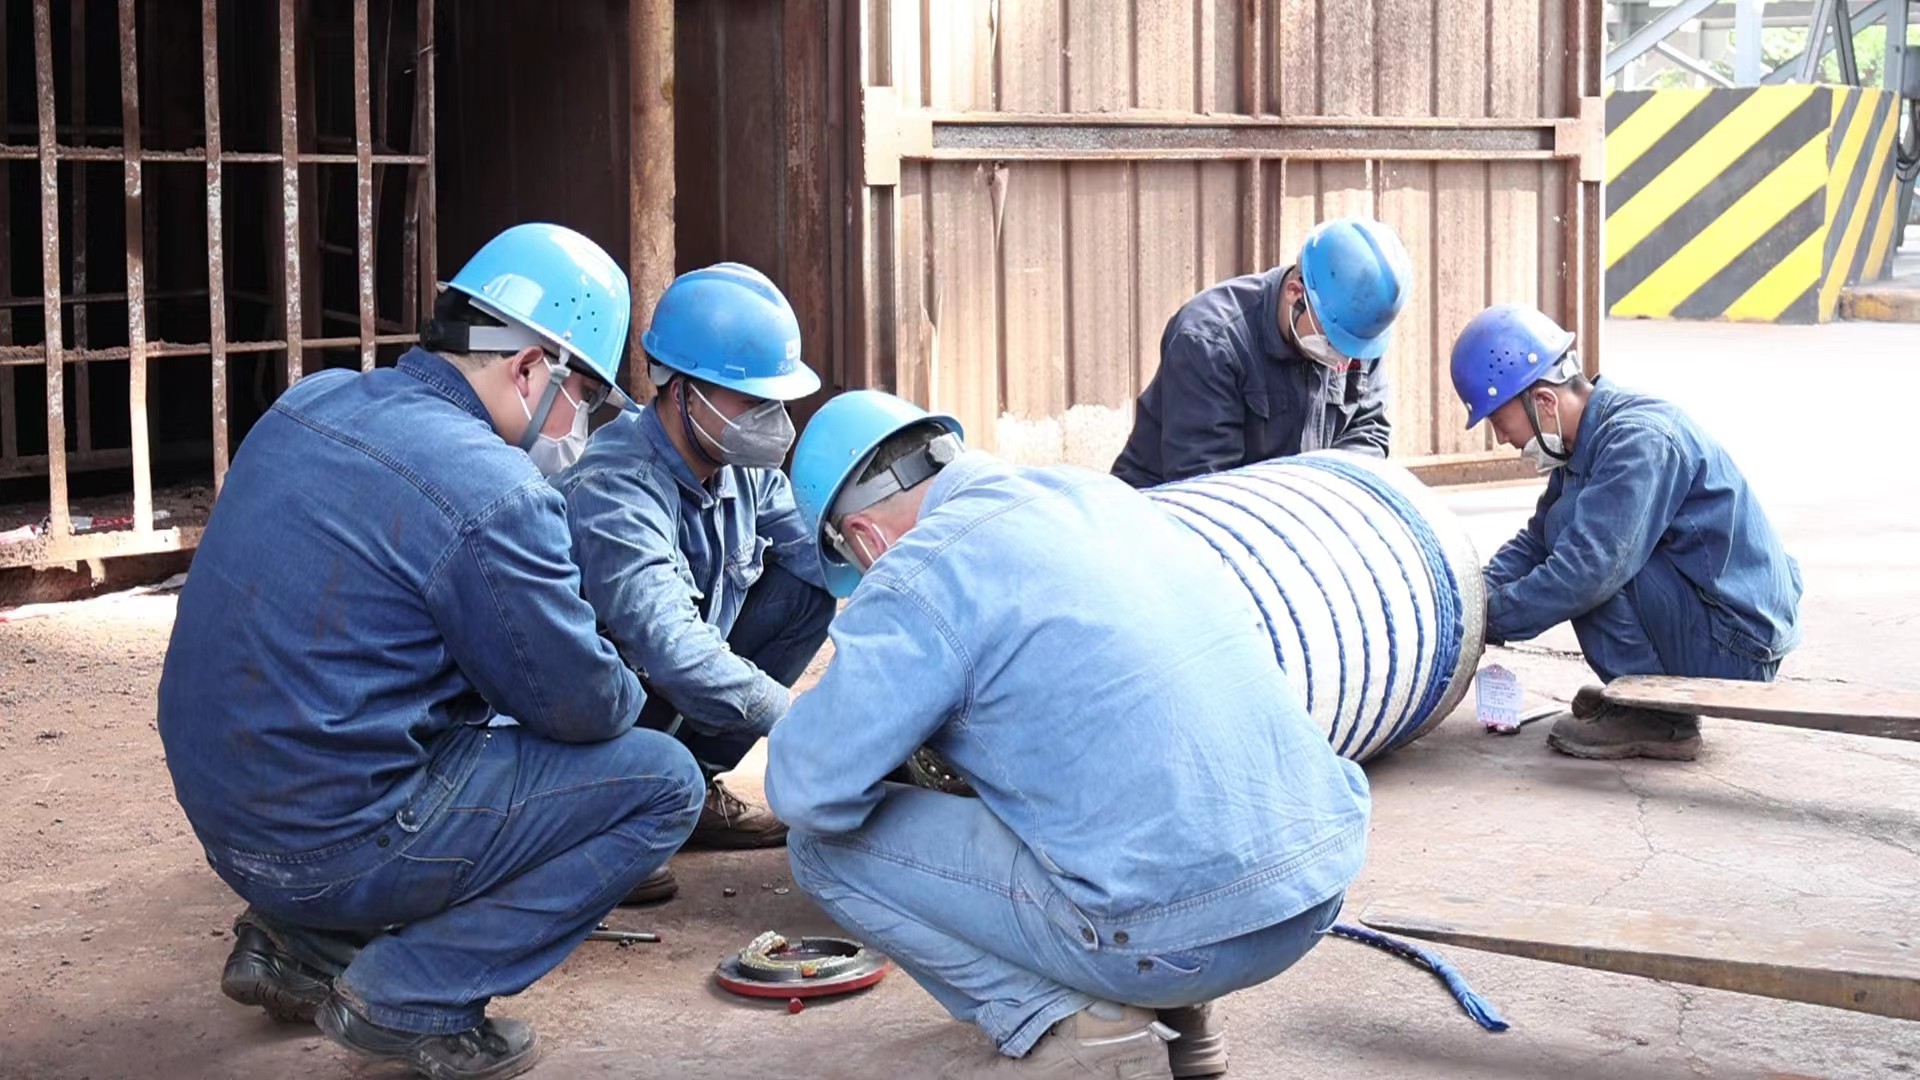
1102	353
1868	971
1406	206
1460	57
1030	222
1346	59
1883	714
963	362
1459	290
1297	59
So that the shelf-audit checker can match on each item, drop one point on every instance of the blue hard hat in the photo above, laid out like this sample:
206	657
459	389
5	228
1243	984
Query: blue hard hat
837	441
563	287
1357	275
728	325
1504	350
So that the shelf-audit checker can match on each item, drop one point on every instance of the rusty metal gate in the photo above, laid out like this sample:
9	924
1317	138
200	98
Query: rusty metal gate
249	221
1046	181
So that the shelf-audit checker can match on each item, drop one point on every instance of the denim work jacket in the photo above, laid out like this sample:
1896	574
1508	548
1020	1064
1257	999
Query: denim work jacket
1645	480
1101	678
667	562
380	572
1231	391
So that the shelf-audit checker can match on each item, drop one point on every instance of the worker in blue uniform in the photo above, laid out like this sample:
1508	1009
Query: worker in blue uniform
688	542
385	574
1275	364
1647	538
1159	822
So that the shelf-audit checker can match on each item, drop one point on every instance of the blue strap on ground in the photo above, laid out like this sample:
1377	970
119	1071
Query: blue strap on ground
1476	1006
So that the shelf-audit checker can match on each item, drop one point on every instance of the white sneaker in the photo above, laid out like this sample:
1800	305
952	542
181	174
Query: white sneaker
1084	1046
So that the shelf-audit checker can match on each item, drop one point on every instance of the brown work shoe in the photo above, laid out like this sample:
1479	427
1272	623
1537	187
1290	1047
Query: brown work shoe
729	822
1201	1049
655	887
1620	731
1588	701
1084	1047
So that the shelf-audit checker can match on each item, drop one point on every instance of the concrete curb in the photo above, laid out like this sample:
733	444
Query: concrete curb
1882	303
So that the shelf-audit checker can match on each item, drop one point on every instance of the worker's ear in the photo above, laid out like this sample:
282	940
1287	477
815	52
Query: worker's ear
520	367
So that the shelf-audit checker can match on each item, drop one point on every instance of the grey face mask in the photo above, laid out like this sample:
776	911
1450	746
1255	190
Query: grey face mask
756	439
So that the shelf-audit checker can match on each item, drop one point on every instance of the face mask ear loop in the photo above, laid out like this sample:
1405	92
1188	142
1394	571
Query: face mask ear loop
1533	418
538	419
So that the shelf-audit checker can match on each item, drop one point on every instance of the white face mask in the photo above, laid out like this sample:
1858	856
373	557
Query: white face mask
1547	450
550	455
1316	346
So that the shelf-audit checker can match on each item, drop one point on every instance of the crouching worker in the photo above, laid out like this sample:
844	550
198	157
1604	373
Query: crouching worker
1158	821
1647	538
689	544
387	570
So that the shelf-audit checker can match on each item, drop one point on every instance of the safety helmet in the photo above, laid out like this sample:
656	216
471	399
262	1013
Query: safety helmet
1504	350
728	325
836	444
561	286
1357	275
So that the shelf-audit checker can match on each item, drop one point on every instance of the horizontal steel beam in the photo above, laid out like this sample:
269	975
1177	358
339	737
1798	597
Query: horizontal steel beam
49	551
1123	137
1694	64
115	154
29	355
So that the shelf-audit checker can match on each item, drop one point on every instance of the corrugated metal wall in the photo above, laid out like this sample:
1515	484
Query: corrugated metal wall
1016	292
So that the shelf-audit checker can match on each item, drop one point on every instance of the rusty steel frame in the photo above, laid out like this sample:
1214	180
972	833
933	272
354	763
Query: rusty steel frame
650	78
58	544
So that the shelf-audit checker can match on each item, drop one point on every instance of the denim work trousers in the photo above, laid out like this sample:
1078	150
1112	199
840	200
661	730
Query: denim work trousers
1659	625
940	885
494	889
782	624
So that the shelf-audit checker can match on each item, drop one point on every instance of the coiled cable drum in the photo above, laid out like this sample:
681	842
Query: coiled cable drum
1368	587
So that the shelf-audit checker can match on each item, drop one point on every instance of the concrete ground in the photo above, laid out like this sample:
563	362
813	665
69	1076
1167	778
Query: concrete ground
115	929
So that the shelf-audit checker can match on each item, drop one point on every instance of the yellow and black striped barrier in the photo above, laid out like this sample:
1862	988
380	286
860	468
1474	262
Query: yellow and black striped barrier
1755	204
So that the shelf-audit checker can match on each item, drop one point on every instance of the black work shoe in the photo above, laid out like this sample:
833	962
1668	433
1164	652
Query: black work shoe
261	973
655	887
1614	732
495	1050
727	821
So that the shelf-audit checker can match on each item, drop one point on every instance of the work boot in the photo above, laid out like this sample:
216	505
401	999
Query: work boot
495	1050
655	887
259	972
1613	732
1588	701
728	822
1084	1046
1201	1049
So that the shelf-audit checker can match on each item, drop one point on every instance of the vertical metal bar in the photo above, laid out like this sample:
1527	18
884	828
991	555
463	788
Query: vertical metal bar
650	163
9	415
290	190
1898	55
77	215
429	216
136	273
363	172
410	233
216	261
1748	64
59	522
1253	100
1816	39
1843	44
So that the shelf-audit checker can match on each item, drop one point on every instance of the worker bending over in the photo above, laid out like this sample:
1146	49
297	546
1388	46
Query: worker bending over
684	527
1647	538
1158	823
1275	364
385	571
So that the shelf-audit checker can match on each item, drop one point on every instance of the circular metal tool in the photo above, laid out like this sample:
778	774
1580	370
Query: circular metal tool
773	966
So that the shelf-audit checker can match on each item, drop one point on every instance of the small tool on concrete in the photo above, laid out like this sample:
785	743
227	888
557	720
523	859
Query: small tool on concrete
623	937
774	966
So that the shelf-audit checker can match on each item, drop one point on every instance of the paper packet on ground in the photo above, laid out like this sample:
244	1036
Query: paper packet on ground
1497	699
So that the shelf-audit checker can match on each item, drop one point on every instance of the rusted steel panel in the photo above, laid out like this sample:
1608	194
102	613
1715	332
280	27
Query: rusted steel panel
1253	100
426	147
9	407
141	452
216	262
290	283
1167	262
651	151
963	355
1030	223
1347	68
57	550
1404	54
1460	57
363	181
808	263
960	55
60	521
77	227
1296	59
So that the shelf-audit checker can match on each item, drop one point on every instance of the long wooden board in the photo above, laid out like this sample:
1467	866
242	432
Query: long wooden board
1883	714
1865	971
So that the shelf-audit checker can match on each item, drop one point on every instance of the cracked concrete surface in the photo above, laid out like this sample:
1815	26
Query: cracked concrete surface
115	929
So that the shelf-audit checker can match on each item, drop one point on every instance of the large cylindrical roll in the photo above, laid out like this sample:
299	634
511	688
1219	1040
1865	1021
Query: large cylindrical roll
1368	587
